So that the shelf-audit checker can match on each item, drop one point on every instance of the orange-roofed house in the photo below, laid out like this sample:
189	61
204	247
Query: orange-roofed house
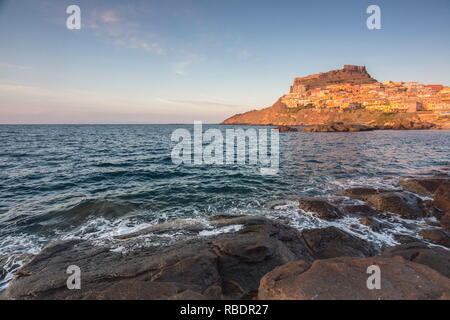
435	87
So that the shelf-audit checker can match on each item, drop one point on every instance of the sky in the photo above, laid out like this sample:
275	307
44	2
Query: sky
169	61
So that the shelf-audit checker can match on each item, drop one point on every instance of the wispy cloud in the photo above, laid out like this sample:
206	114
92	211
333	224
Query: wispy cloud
186	61
121	30
109	17
137	43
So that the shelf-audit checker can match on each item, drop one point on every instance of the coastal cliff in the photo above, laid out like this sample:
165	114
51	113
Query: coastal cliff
351	95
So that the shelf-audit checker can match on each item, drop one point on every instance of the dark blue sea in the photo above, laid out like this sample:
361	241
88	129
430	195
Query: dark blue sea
97	181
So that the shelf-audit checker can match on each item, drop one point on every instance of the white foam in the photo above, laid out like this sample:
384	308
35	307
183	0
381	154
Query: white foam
226	229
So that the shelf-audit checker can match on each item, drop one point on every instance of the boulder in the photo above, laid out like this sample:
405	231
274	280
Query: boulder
407	205
320	207
362	193
435	258
346	278
222	266
425	186
333	242
437	236
286	129
442	197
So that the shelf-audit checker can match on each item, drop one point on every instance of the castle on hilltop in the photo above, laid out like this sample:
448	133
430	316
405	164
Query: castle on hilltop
353	88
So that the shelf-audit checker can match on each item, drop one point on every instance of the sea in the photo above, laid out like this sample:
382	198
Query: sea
95	182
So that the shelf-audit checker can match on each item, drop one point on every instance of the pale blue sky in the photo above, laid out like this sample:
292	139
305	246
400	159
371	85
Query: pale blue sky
179	61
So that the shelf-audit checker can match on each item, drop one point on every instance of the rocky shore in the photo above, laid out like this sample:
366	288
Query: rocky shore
356	127
253	257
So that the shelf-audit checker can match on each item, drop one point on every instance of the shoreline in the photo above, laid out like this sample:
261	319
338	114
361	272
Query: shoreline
243	257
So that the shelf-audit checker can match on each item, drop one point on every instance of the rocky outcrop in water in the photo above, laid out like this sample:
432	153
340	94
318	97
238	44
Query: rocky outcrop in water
404	204
320	207
286	129
339	127
425	186
356	127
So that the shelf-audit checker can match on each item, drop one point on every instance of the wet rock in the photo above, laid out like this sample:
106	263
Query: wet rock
286	129
193	225
3	271
345	278
433	223
339	127
372	223
10	263
442	197
412	125
445	222
425	186
437	236
404	204
418	252
363	210
320	207
223	266
333	242
431	210
362	193
405	239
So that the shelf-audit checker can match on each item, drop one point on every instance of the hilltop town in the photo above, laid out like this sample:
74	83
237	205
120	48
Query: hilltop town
351	94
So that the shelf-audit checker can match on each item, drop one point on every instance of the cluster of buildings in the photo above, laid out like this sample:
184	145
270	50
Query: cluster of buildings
386	96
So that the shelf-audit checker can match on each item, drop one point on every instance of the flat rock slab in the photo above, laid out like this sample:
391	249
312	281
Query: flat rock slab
435	258
345	278
224	266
